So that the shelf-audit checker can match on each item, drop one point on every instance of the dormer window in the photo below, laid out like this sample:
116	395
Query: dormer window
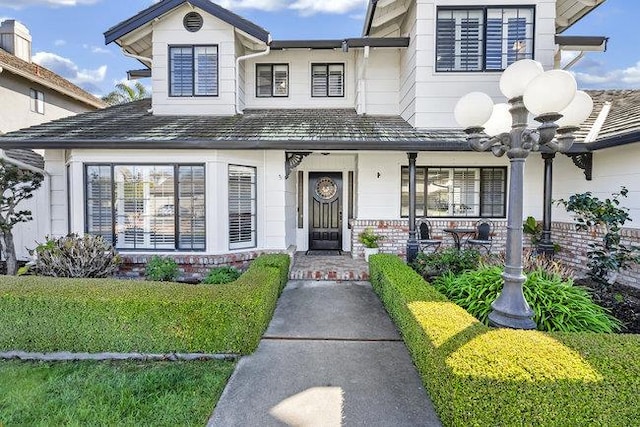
483	38
193	70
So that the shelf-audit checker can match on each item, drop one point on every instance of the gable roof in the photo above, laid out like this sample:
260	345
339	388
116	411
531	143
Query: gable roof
165	6
621	124
47	78
132	126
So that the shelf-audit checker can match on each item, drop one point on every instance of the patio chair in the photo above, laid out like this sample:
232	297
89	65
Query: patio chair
483	239
425	242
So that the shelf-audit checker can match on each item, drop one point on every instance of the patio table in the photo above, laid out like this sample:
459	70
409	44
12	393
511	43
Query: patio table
458	233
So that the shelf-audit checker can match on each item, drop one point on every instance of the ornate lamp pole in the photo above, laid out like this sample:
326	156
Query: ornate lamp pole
553	98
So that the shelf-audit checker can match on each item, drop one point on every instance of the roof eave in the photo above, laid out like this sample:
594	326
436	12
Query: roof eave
295	145
368	20
354	43
44	82
159	9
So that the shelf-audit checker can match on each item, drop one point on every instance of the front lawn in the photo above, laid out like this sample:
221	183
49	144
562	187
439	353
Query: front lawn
44	314
480	376
110	393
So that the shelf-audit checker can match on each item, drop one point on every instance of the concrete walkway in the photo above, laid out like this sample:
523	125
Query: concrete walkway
330	357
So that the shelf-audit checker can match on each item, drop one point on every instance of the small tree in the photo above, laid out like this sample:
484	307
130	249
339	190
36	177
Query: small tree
609	255
16	185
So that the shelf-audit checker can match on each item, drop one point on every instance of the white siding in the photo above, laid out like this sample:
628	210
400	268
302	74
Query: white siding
170	31
612	168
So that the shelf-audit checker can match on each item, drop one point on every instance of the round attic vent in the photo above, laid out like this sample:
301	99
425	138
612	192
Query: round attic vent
192	21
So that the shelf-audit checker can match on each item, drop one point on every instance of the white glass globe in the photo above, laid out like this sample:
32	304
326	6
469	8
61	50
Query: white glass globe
518	75
473	109
500	120
578	111
550	92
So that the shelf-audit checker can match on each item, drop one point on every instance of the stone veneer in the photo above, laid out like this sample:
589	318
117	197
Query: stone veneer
191	267
574	244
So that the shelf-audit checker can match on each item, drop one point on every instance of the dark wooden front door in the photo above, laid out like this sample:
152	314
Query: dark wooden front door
325	206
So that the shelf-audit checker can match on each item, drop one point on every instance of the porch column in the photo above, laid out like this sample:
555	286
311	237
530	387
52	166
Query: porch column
545	246
412	242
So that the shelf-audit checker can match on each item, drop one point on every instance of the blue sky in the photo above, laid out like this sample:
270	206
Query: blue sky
68	34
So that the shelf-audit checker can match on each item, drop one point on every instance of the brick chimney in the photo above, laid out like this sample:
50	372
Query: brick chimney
15	39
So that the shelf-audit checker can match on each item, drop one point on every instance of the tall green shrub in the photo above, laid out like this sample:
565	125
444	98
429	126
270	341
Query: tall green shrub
609	255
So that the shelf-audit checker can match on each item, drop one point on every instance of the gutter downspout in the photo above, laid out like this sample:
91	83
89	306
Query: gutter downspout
244	58
47	175
138	57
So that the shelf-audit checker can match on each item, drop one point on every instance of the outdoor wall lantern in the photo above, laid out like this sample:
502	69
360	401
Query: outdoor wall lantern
552	97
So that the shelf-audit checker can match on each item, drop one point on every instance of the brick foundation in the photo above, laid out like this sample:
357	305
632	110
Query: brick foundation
191	267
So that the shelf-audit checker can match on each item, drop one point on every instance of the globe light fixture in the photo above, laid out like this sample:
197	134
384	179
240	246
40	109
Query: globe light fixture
552	97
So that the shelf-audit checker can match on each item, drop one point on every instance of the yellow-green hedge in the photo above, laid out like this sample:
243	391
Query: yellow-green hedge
479	376
95	315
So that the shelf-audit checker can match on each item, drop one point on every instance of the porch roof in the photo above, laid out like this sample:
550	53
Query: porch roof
132	126
615	119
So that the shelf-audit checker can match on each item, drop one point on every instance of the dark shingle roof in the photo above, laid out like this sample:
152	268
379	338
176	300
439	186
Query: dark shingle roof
134	126
15	65
26	156
623	118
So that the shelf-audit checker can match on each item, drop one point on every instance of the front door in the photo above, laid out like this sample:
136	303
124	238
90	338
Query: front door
325	206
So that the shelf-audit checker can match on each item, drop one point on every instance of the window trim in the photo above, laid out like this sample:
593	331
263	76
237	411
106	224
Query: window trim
271	65
193	70
34	101
479	168
484	39
327	65
255	243
176	168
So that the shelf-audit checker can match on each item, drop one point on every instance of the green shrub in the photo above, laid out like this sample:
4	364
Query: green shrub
76	256
532	261
479	376
447	260
369	239
221	275
95	315
161	269
558	306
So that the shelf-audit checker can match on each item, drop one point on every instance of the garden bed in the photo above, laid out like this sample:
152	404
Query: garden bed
622	301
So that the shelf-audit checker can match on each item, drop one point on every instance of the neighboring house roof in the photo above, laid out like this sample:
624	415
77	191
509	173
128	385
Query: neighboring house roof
165	6
38	74
618	124
26	156
134	126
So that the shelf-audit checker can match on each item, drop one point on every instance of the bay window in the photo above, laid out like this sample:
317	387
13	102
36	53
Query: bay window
456	192
147	207
242	207
483	38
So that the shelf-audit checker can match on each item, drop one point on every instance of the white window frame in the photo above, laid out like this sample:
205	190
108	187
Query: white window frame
242	238
37	101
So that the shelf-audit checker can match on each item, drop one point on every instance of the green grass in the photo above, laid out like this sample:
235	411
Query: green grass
45	314
116	393
478	376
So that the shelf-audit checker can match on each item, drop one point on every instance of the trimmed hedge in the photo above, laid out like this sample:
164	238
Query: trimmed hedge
44	314
480	376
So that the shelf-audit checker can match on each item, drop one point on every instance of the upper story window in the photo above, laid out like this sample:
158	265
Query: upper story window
483	39
193	70
37	101
272	80
327	80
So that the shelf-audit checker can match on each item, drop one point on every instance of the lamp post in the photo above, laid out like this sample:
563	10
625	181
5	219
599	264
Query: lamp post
553	99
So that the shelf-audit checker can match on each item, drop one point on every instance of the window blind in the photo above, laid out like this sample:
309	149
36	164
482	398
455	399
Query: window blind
242	207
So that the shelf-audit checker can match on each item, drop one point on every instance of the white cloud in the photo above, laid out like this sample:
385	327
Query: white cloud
59	42
86	78
304	7
594	75
19	4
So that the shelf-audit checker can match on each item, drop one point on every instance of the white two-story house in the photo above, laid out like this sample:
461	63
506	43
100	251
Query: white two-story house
252	144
